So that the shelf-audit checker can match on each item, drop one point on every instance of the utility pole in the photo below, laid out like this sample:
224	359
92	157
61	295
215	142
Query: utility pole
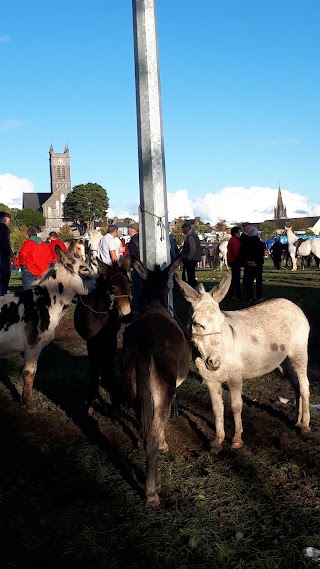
153	232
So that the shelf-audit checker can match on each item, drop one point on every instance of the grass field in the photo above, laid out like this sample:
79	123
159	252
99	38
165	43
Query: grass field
72	484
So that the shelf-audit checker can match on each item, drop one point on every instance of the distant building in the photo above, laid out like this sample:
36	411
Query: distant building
280	212
50	205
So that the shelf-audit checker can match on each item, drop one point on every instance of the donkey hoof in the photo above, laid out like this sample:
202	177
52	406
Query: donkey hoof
163	446
237	444
31	409
153	501
215	449
305	430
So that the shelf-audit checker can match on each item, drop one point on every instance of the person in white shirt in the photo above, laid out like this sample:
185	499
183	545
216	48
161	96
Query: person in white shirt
107	247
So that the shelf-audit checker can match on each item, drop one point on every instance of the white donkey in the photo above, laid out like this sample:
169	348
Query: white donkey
28	319
241	344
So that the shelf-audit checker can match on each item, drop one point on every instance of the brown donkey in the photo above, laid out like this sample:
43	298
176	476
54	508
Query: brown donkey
155	362
97	320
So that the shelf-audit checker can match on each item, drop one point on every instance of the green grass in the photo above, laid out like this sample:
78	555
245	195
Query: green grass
72	485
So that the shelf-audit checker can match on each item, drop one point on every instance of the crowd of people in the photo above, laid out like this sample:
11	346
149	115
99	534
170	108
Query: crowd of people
35	255
245	250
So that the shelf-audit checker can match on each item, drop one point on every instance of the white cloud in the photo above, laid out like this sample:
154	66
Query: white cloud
12	188
11	124
234	204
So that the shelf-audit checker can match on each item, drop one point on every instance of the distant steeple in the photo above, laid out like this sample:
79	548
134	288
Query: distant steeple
280	212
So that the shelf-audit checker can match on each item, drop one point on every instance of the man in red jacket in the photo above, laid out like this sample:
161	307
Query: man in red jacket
53	241
35	258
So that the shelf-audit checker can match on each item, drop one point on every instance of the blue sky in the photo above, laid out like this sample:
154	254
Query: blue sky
240	95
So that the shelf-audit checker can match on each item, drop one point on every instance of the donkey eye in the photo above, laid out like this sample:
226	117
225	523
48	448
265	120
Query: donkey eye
197	325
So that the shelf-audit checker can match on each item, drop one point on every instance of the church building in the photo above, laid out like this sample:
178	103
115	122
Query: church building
280	212
50	205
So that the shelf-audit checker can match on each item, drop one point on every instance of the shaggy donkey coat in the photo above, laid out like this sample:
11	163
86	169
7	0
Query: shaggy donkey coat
155	362
28	319
97	321
242	344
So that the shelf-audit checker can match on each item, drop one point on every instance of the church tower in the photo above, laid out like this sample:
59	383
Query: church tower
280	212
60	171
60	182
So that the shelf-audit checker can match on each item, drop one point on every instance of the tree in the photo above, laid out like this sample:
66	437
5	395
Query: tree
17	237
4	207
28	217
222	226
267	229
85	204
177	232
65	232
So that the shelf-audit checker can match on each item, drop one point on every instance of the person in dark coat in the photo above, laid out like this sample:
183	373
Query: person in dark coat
133	248
6	253
276	253
252	259
191	253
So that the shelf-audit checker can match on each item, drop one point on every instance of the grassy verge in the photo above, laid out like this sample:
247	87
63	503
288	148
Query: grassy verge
71	485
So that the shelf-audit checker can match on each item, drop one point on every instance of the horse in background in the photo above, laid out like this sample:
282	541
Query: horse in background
93	239
97	320
302	248
217	254
237	345
76	247
155	362
223	249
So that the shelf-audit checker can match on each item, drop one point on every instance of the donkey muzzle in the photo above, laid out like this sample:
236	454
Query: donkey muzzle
213	362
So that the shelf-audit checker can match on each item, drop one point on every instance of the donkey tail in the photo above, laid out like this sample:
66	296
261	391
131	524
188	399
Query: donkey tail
144	398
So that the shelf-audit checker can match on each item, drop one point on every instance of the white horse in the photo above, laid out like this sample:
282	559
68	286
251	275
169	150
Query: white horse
94	237
242	344
223	254
305	247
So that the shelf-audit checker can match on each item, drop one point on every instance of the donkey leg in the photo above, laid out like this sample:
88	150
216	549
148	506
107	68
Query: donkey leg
215	390
153	485
29	371
235	389
295	370
94	356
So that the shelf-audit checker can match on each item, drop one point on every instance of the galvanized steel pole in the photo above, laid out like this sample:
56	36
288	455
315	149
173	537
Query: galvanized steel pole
153	234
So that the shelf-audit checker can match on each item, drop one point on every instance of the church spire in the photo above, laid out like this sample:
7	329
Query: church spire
280	212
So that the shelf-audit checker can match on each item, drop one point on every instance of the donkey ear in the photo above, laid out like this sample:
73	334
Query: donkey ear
63	256
102	267
219	291
190	294
173	267
139	267
126	263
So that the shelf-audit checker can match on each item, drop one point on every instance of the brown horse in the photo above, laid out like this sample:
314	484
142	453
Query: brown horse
155	362
97	320
77	248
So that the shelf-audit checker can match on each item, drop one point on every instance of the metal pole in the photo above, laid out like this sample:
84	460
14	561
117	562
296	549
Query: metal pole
153	233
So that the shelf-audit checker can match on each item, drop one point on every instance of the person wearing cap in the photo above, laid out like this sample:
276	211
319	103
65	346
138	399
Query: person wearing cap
246	226
107	247
191	253
133	247
34	258
252	255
